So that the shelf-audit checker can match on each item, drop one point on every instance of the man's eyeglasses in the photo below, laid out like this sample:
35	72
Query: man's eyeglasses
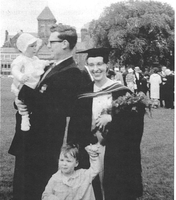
53	41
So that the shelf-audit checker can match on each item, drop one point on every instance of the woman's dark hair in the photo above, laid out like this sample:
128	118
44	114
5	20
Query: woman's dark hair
105	58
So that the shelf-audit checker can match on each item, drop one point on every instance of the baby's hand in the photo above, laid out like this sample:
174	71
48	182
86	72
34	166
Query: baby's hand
24	78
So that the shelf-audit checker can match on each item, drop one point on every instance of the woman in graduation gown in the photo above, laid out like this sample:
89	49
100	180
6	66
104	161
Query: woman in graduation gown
97	119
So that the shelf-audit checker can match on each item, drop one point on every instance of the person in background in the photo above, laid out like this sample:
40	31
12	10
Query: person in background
130	80
111	74
118	76
138	77
155	81
162	88
124	73
37	151
169	89
145	83
69	183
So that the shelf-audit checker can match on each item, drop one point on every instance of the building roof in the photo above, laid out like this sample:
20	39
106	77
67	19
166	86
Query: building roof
11	41
46	14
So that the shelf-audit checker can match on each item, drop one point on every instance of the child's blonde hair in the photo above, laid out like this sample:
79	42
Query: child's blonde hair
71	149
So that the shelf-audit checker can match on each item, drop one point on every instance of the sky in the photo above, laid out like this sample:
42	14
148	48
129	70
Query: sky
16	15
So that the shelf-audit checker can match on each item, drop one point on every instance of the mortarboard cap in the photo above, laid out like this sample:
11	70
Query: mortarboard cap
95	52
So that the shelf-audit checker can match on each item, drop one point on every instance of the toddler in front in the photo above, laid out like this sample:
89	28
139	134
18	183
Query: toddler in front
68	183
26	69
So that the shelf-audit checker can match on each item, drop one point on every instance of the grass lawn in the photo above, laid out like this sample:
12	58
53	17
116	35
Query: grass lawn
157	150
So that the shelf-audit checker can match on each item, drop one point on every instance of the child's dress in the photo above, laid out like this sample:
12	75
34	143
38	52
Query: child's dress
77	186
32	67
155	81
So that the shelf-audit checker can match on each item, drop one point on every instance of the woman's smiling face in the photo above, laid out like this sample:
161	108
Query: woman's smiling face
97	68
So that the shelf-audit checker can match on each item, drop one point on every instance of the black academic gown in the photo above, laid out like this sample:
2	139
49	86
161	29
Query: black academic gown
122	175
37	150
79	130
86	79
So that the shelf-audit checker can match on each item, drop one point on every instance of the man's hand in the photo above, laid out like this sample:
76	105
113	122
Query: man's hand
21	107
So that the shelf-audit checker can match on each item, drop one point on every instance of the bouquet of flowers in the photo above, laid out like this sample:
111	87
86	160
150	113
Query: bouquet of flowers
129	102
129	106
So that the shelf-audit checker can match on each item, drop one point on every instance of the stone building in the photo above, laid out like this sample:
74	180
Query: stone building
9	51
45	20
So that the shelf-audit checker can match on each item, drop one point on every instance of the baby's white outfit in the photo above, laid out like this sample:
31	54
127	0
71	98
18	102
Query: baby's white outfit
32	67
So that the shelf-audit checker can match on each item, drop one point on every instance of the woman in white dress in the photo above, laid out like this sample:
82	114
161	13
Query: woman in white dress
155	81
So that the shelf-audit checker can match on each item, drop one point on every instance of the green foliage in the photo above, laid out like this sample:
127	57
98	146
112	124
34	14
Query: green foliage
142	31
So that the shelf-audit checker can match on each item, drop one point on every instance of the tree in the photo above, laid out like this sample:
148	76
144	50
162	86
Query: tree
142	32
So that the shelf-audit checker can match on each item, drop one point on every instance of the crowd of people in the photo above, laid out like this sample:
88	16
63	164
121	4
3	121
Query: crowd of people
157	84
80	140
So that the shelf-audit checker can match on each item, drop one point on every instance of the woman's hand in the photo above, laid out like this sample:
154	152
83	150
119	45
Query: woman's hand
102	121
22	108
93	150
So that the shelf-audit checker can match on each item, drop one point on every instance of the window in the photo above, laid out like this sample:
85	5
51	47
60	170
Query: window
13	56
7	56
2	57
6	73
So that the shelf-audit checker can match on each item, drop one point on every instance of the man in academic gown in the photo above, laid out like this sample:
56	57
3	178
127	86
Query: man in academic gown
37	150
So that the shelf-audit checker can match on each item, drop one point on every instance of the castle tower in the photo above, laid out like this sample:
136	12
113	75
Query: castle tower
45	20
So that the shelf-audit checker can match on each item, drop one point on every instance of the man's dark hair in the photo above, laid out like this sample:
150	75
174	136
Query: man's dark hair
66	32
